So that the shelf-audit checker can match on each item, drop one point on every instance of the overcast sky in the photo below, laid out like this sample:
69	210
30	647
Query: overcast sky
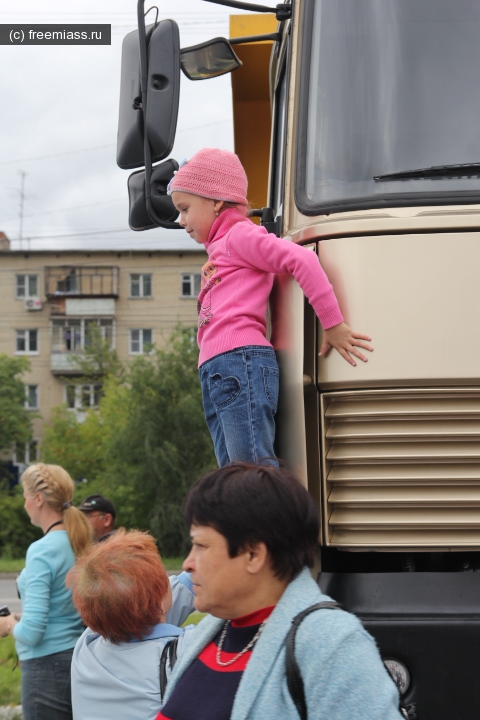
58	124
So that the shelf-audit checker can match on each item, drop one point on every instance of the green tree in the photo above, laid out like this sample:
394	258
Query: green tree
76	446
16	530
96	363
98	360
80	446
15	419
147	443
164	442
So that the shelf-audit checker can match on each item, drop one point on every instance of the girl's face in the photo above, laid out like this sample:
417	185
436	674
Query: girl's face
197	214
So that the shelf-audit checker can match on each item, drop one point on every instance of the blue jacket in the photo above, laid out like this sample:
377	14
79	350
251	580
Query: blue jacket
343	673
49	623
182	598
122	681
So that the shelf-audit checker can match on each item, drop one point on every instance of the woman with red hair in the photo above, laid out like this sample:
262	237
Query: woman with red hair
122	592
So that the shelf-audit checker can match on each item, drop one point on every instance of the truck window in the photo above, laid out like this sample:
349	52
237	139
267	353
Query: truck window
388	87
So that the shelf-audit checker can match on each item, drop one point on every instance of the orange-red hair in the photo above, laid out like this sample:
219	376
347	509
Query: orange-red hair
118	586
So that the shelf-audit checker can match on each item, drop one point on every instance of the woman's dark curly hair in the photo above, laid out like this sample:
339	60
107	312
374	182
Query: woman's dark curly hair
249	503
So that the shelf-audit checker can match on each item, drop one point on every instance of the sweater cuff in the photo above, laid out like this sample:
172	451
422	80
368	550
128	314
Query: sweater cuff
331	316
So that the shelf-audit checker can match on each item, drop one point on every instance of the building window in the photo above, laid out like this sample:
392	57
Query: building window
71	393
190	284
66	335
72	335
106	331
83	397
26	454
140	285
26	286
68	284
27	342
140	341
31	397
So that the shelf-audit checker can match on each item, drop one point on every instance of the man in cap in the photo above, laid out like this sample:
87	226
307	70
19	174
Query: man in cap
101	514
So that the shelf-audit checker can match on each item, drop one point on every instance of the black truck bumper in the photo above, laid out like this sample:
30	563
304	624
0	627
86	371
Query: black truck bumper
430	622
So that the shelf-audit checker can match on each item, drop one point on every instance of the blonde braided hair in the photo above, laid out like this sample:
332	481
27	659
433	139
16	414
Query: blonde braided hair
56	487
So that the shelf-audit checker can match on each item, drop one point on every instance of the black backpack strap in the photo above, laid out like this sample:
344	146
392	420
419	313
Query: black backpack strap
169	651
294	677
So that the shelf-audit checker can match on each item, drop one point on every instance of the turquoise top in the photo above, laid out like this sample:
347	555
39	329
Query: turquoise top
49	622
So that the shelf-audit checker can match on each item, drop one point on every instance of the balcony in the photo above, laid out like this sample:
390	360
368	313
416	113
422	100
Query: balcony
70	281
71	336
63	364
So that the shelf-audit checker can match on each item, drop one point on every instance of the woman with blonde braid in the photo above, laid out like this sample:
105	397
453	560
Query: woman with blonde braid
46	632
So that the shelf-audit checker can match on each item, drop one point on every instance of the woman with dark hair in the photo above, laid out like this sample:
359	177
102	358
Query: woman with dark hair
49	626
254	530
123	594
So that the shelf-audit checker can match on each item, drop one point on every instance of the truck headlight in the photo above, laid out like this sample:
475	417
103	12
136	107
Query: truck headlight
399	674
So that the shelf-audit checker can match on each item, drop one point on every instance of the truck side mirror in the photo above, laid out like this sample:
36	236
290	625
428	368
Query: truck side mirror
138	217
209	59
163	92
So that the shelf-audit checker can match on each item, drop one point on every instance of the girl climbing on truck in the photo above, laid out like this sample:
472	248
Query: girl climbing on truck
237	364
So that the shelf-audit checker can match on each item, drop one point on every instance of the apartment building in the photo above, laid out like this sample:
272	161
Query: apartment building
50	300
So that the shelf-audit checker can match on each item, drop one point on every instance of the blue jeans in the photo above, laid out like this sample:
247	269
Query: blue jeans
240	396
46	690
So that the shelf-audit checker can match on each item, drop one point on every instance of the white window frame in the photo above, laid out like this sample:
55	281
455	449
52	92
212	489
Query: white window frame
27	338
82	324
195	280
27	397
141	285
140	340
28	459
102	323
74	324
79	393
26	285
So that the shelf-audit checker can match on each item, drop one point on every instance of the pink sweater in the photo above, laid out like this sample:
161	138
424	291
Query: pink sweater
238	278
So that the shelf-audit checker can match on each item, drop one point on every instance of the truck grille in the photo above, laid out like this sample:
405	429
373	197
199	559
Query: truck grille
401	469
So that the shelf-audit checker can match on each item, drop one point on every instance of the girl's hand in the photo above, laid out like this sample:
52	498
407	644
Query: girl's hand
7	624
345	341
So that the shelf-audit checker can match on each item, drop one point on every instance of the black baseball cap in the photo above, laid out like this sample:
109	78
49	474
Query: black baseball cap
98	503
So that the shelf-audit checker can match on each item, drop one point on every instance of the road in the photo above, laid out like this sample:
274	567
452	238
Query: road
8	594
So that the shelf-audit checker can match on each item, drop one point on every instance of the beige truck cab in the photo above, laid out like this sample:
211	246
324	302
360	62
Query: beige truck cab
357	122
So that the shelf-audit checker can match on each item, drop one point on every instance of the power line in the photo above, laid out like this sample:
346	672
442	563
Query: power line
127	14
66	152
52	237
100	147
75	207
113	17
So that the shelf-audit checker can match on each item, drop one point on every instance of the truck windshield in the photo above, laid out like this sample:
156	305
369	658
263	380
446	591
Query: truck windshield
389	87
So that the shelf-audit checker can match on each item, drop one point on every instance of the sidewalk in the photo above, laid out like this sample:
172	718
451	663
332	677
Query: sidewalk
11	713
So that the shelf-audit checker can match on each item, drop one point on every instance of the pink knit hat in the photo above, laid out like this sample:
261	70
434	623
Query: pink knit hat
212	173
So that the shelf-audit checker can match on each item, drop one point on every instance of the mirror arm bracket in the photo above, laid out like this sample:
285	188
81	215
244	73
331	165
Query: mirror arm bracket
276	37
267	219
147	151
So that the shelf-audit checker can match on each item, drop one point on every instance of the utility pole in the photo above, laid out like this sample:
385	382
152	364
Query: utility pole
22	198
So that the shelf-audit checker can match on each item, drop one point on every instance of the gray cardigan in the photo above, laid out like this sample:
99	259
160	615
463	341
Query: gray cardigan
343	673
